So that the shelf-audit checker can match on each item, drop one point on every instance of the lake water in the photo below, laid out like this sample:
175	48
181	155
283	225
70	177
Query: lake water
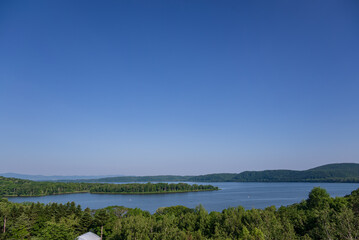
248	195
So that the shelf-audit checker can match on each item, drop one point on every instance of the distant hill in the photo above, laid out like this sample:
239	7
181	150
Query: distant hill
50	178
339	172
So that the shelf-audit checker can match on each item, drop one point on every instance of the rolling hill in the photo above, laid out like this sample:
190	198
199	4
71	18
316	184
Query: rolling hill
338	172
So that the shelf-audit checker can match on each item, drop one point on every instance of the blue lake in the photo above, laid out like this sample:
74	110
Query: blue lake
248	195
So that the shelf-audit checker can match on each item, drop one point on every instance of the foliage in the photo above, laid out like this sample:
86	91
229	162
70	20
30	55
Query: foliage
20	187
318	217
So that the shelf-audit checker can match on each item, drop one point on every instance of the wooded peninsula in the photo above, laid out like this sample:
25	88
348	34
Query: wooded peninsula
11	187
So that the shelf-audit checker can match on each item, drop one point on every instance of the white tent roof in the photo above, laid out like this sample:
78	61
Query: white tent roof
88	236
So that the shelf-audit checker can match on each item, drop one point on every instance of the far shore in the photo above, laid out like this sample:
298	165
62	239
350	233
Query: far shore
110	193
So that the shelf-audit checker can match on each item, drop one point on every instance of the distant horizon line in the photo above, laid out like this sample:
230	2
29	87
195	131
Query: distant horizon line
123	175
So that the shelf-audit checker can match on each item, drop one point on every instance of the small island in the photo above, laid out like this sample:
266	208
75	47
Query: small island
14	187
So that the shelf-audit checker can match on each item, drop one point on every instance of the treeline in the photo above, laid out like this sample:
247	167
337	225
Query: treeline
318	217
342	172
20	187
150	188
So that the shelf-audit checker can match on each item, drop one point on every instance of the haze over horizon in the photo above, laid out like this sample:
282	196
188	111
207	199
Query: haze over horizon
177	88
58	177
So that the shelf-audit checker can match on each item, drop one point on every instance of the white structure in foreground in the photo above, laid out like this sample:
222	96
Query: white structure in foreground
88	236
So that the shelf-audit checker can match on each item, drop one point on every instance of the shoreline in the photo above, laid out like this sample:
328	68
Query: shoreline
110	193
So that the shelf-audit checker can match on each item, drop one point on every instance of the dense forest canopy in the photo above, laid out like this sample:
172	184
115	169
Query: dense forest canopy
318	217
20	187
341	172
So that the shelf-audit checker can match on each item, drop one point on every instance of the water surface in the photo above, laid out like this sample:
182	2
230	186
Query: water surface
248	195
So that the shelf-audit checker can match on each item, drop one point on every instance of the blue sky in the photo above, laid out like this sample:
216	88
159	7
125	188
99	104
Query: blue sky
177	87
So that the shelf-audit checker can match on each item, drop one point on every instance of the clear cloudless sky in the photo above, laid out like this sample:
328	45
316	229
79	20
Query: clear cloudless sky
177	87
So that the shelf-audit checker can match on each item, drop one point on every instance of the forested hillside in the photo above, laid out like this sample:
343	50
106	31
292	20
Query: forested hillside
318	217
343	172
20	187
